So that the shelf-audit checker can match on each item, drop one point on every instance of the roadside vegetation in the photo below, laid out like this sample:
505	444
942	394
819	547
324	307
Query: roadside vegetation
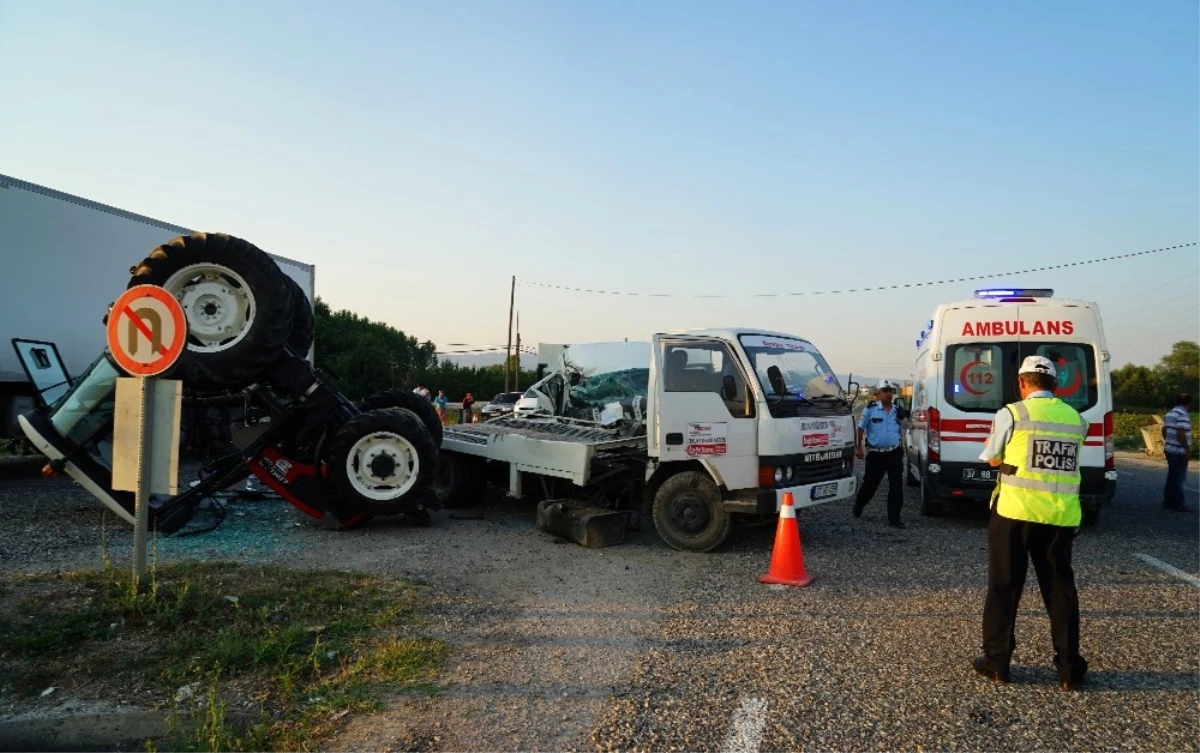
240	658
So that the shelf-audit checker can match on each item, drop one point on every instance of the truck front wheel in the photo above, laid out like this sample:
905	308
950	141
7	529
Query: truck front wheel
689	513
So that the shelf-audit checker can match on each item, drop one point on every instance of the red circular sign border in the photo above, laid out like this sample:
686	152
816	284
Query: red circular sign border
171	354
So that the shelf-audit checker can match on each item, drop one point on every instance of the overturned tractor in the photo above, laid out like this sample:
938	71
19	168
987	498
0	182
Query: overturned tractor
249	329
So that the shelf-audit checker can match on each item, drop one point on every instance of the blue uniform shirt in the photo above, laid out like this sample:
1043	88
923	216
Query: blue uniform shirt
881	427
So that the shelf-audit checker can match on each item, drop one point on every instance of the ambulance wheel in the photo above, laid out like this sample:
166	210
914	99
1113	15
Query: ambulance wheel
689	514
456	483
409	401
931	504
378	459
237	303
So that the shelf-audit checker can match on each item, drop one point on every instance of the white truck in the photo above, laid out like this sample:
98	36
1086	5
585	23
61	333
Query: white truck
67	259
731	419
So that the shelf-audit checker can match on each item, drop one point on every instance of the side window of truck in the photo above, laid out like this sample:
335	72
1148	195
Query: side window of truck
706	367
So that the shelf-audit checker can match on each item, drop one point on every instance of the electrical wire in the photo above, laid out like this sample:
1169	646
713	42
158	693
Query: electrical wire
1172	281
875	288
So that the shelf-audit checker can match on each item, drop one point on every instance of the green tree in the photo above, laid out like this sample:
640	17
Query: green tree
1179	370
1136	387
366	356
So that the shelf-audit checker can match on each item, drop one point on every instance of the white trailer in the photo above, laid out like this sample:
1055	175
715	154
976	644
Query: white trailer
732	420
66	259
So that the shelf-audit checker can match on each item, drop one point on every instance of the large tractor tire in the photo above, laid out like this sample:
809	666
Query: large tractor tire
301	338
380	461
409	401
689	513
237	302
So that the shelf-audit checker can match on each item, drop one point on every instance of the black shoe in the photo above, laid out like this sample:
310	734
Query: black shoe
858	510
987	669
896	524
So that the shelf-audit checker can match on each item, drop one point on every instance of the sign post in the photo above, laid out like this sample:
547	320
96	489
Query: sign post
147	332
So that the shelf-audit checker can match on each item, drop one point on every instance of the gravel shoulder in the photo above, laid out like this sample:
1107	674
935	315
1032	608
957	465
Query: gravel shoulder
637	647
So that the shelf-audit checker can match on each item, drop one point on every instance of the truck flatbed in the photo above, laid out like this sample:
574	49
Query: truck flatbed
558	447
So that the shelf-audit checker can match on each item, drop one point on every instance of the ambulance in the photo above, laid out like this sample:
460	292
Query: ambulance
966	370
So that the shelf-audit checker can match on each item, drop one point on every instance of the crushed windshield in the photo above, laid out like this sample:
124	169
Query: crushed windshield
790	369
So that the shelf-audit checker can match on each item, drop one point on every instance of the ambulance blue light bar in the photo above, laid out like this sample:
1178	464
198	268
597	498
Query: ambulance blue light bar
991	293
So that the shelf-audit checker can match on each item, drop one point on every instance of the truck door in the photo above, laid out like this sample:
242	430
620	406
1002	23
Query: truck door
703	409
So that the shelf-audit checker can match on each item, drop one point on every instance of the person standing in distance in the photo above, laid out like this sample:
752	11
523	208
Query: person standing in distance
1177	444
467	401
878	439
1035	515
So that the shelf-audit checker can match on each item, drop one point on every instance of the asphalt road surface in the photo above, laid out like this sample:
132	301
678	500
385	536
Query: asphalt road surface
637	647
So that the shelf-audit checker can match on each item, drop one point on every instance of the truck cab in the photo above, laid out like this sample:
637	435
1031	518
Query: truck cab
748	415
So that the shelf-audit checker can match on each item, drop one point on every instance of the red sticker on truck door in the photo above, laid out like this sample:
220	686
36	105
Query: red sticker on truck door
707	439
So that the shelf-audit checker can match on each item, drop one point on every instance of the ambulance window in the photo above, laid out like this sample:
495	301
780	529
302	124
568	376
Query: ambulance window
976	378
1076	372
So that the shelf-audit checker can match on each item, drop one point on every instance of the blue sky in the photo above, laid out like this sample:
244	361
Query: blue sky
420	154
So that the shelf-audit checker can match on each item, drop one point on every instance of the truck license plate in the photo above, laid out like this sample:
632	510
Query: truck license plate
971	474
824	491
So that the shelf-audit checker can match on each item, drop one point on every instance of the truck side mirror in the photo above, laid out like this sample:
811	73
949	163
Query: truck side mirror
728	388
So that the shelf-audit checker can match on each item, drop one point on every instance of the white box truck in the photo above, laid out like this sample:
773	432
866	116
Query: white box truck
730	421
65	260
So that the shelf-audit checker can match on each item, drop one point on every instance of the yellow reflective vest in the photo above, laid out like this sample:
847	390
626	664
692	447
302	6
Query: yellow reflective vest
1045	448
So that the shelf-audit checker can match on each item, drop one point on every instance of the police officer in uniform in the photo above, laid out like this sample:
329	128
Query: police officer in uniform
879	441
1035	514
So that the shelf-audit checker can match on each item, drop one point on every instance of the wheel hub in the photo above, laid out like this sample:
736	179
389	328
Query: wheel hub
382	466
690	514
219	305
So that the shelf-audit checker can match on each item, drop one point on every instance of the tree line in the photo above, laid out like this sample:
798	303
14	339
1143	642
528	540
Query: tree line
1153	387
365	356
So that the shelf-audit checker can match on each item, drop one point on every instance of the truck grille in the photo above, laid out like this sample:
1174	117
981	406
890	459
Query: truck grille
822	470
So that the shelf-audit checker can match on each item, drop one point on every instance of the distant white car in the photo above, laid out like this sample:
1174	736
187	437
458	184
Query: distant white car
502	404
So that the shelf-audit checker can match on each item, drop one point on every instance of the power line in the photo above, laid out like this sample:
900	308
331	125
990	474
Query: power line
860	290
1172	281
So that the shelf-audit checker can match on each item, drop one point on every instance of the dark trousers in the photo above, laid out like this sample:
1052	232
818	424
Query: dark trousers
1177	464
879	463
1011	544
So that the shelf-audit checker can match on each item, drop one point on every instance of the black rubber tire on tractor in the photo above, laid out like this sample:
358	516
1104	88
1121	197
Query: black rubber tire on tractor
409	401
931	504
301	338
270	324
689	514
348	499
457	481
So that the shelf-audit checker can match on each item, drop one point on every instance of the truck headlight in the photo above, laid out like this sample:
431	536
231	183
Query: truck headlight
779	475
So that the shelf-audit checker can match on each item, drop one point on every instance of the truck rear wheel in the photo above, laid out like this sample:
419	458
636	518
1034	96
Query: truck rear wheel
689	514
458	481
237	301
409	401
379	460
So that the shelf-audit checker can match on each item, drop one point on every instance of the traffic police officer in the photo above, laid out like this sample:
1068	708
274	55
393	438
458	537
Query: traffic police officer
879	440
1035	514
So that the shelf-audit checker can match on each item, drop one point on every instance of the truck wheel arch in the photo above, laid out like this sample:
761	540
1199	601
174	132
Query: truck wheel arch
665	471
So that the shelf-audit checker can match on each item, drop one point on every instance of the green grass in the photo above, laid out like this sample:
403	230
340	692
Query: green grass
1127	429
311	648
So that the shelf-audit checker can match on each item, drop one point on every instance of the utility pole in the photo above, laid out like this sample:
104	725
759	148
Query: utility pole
512	298
517	365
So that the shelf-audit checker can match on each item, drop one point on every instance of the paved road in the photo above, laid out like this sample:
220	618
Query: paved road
875	655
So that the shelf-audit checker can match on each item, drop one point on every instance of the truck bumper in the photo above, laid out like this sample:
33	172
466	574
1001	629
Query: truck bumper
769	501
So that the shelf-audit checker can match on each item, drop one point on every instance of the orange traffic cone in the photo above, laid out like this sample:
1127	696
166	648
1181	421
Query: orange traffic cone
787	558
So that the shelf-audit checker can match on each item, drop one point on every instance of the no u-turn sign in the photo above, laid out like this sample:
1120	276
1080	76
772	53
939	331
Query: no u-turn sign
146	330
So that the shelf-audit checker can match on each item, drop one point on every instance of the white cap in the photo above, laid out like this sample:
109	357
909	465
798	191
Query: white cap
886	384
1037	365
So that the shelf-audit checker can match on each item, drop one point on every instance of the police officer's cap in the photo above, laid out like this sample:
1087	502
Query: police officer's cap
1038	365
886	384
